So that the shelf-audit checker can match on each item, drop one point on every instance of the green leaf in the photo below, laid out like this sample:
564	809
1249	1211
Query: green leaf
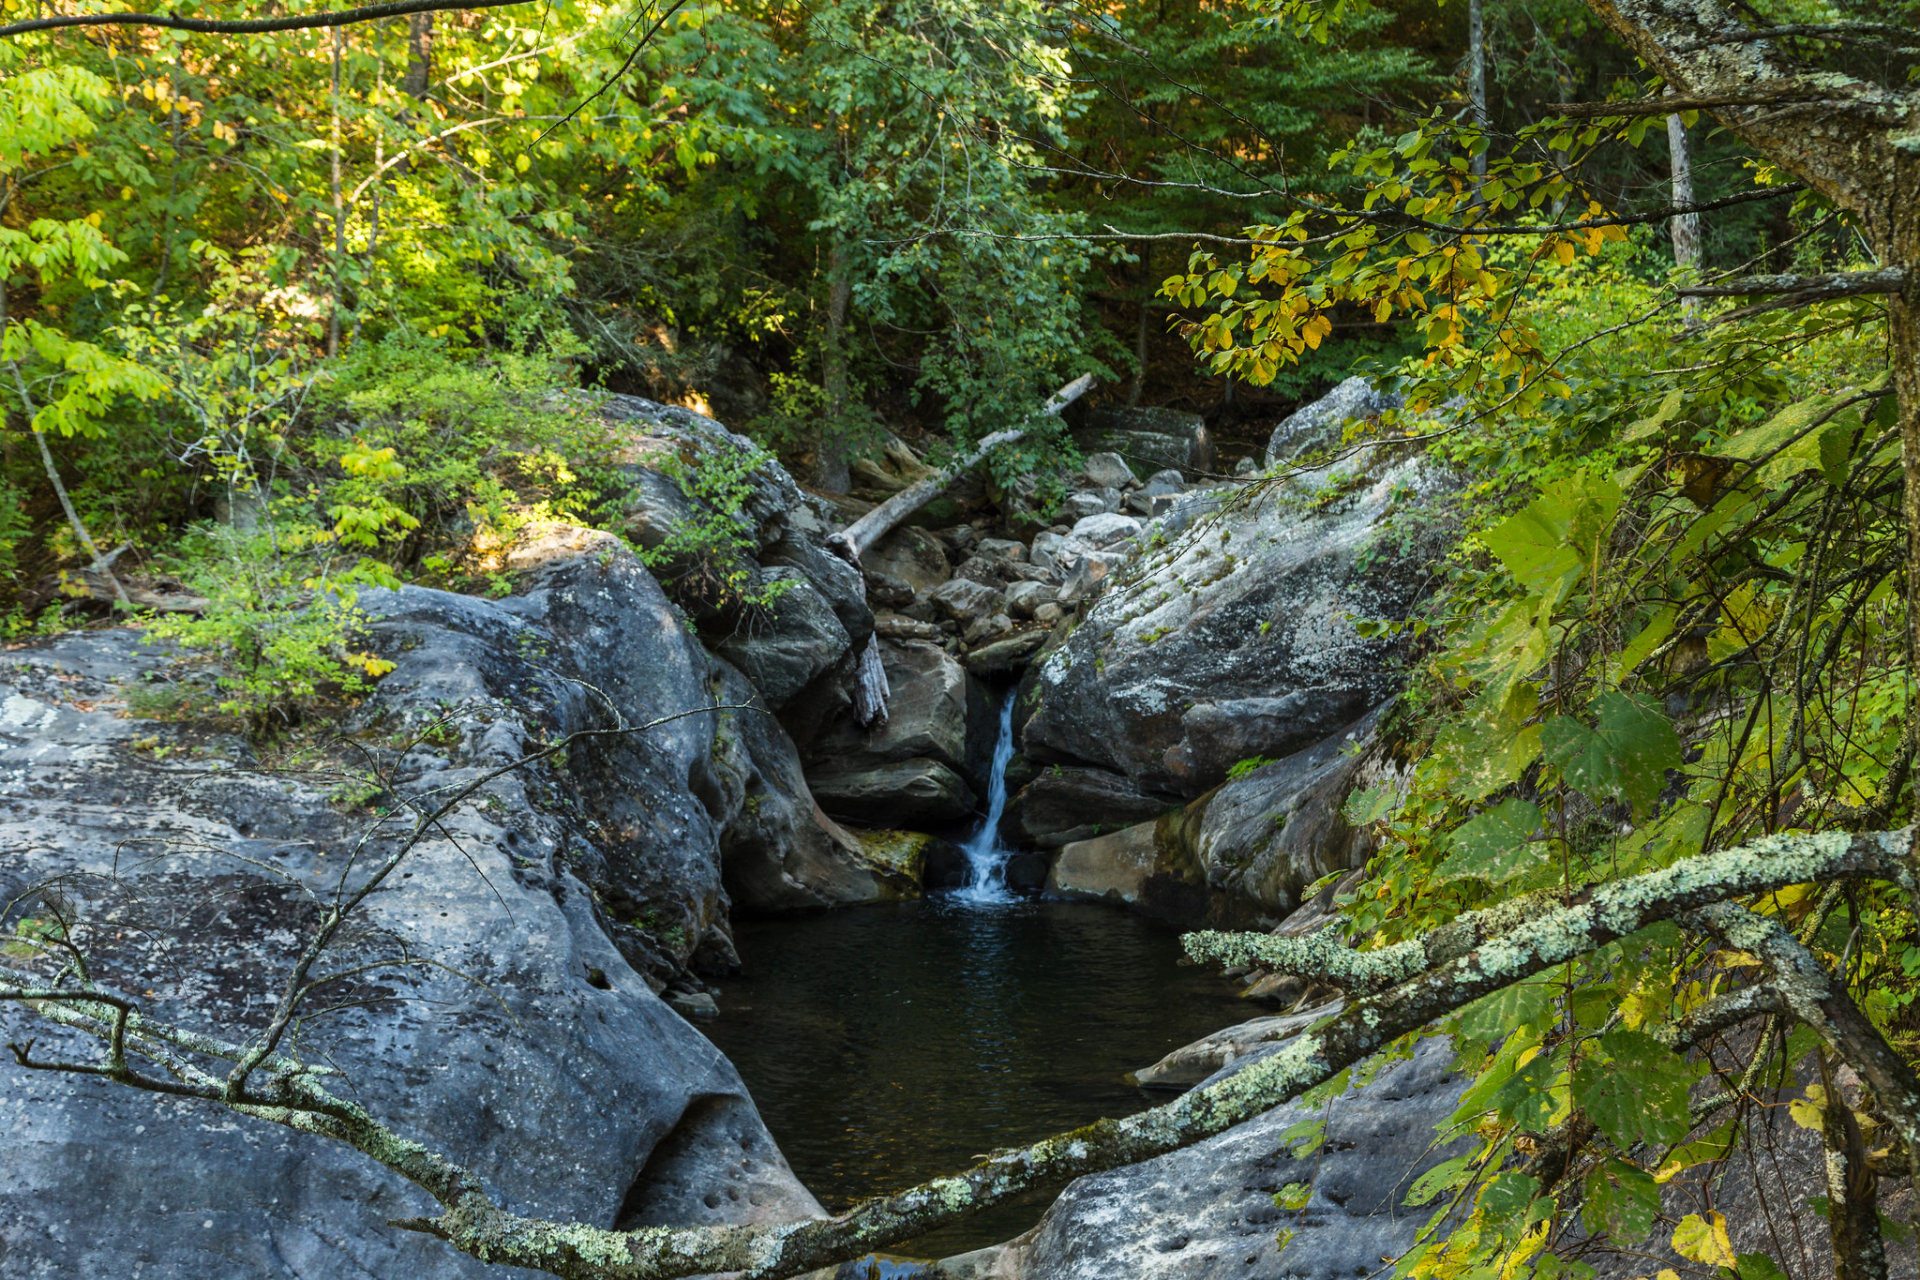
1443	1177
1593	1005
1757	442
1373	804
1553	540
1758	1266
1657	422
1626	754
1651	636
1530	1099
1495	844
1492	1017
1293	1196
1303	1139
1508	1194
1636	1088
1622	1200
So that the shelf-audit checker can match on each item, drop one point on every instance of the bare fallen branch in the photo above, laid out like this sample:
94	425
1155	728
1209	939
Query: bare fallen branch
854	540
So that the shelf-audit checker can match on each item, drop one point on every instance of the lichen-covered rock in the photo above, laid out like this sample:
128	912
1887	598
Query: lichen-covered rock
1235	637
1317	427
537	1055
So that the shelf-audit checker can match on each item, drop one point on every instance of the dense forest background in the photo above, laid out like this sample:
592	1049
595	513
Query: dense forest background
822	221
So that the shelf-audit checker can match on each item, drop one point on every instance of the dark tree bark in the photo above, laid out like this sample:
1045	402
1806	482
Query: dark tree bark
830	466
419	56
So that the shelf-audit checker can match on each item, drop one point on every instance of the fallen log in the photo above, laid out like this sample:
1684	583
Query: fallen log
89	584
854	540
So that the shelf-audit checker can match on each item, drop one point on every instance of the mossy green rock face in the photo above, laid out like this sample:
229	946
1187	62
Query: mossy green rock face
897	859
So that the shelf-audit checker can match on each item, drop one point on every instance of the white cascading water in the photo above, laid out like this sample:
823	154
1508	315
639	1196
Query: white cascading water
986	856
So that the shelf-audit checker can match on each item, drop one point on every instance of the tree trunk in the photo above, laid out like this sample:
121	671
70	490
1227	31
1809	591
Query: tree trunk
1686	226
1853	1216
830	465
339	205
419	55
1477	84
1138	390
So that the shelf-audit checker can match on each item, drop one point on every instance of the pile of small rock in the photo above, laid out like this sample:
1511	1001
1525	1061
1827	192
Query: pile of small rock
994	600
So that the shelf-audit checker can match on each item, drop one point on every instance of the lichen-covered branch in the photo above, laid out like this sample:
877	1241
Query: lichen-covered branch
1723	1012
1813	996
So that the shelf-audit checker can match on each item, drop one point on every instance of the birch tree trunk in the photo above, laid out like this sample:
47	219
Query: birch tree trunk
1685	226
419	56
1477	83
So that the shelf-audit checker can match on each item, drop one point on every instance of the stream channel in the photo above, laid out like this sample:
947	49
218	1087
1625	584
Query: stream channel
888	1044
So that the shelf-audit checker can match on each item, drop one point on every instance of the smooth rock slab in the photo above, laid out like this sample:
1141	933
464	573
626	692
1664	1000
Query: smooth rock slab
537	1056
905	793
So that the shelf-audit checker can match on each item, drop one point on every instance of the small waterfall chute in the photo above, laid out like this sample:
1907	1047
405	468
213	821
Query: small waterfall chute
986	855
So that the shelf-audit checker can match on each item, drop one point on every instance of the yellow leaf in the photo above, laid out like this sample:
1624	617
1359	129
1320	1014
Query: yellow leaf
1810	1112
1699	1240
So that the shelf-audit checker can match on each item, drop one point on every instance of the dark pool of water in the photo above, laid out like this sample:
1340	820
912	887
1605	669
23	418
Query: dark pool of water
888	1044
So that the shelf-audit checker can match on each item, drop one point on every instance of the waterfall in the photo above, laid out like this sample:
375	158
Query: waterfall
986	856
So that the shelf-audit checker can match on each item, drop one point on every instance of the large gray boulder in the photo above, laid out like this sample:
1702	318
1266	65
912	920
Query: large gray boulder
1065	803
778	851
1317	428
791	642
588	640
927	765
912	555
1207	1212
1243	854
527	1048
1234	638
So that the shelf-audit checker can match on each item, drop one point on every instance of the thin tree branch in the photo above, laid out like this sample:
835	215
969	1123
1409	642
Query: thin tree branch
250	26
